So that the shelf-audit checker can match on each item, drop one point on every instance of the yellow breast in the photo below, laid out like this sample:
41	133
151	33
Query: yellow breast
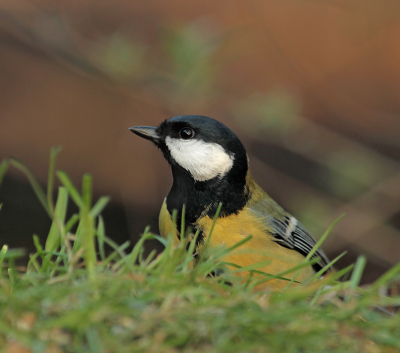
165	223
228	231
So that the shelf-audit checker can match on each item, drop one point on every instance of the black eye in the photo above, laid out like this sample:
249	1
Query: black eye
186	133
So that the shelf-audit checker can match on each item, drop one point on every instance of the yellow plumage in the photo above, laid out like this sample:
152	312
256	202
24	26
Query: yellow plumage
230	230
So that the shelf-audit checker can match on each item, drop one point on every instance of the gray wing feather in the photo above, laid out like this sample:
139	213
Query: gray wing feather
287	231
292	234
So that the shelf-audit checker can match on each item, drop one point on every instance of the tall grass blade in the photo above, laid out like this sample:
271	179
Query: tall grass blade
3	251
183	222
71	223
87	185
216	217
87	225
213	224
253	267
73	192
57	229
386	277
34	183
134	255
324	236
99	206
281	275
101	234
358	272
50	181
327	267
315	248
3	168
233	247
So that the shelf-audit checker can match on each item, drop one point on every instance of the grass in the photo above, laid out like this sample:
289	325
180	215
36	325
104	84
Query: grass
73	296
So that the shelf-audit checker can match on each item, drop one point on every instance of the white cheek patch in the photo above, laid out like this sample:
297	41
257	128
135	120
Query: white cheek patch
203	160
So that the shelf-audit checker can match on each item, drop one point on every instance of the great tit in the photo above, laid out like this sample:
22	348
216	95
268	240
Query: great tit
210	166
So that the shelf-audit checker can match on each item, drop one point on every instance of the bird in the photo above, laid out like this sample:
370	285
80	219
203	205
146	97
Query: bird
210	167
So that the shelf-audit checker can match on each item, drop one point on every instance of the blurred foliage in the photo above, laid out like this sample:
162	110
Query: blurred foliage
180	70
274	113
119	57
190	50
191	71
360	171
312	211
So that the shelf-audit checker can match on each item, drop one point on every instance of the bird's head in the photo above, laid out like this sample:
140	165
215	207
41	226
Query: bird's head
203	147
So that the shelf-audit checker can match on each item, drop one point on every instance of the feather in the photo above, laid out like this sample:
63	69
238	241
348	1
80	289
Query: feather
284	228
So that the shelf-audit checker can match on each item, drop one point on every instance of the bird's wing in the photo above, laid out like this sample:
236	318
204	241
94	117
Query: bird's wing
286	230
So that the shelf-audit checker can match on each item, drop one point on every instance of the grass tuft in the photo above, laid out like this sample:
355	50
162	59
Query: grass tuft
74	296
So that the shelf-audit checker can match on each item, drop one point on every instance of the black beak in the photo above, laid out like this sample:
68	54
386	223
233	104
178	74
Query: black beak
147	132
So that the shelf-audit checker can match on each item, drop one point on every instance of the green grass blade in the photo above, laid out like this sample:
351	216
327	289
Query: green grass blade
325	268
57	229
6	253
253	272
101	234
50	181
54	237
87	225
162	240
253	266
72	221
333	277
134	255
78	237
358	271
33	263
159	259
207	241
34	183
150	257
3	168
233	247
3	251
73	192
167	262
38	246
215	219
183	222
290	270
324	236
190	253
99	206
117	253
87	185
316	247
193	242
386	277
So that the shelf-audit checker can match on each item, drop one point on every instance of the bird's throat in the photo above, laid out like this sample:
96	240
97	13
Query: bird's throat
202	198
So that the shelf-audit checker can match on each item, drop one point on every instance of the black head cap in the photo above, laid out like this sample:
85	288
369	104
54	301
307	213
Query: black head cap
205	129
188	142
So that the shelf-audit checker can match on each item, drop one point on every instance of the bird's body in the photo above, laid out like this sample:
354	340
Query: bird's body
210	166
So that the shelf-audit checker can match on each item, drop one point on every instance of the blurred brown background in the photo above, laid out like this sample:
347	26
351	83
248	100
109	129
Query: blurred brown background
311	87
